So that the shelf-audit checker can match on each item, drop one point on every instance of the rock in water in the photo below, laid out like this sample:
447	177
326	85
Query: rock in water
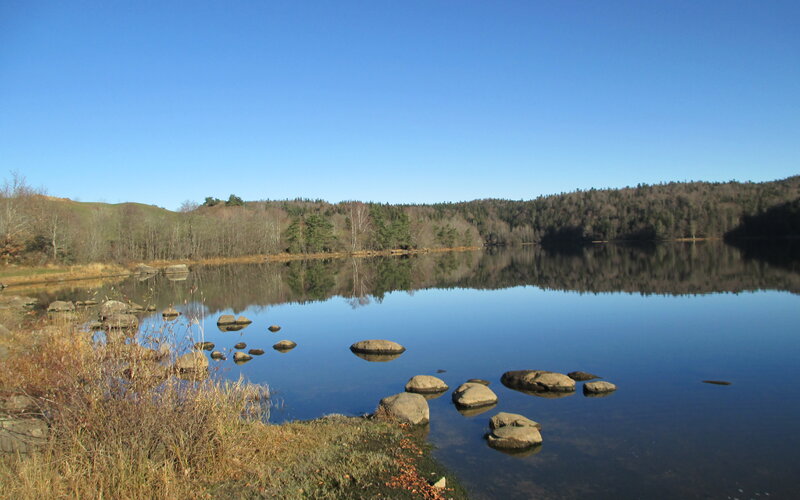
204	346
716	382
406	407
240	345
274	328
226	319
598	387
582	376
538	381
121	322
284	345
217	356
472	395
241	357
256	352
425	384
377	347
504	419
512	437
191	361
110	307
61	306
170	313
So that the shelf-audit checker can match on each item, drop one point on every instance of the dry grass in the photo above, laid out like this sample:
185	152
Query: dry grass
122	425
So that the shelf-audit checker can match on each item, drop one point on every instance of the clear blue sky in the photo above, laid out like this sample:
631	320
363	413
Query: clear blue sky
401	101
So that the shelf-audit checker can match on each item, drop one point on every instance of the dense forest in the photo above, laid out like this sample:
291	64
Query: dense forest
36	229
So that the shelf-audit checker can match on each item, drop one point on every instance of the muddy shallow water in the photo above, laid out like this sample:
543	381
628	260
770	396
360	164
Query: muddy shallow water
657	321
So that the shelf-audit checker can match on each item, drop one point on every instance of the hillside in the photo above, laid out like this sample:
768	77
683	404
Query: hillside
36	229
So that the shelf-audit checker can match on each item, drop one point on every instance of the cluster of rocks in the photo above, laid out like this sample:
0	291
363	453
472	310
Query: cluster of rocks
228	322
509	432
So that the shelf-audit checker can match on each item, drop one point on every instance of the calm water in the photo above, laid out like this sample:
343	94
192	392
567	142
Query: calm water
656	321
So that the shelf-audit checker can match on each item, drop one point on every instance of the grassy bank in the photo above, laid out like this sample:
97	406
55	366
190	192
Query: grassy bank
33	275
121	422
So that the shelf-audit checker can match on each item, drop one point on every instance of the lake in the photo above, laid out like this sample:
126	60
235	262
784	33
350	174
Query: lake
654	320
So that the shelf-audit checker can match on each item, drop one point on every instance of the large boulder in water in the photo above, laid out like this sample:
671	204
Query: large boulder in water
191	361
472	395
110	307
504	419
405	407
121	322
538	381
510	437
61	306
377	346
426	384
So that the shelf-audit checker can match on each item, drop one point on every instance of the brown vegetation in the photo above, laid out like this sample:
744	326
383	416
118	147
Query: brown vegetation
120	426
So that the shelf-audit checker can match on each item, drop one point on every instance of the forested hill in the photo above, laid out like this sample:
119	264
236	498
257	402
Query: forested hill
35	229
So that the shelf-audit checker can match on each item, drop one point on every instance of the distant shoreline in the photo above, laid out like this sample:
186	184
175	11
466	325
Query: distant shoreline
42	275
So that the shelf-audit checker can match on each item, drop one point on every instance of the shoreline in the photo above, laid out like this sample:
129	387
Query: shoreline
43	275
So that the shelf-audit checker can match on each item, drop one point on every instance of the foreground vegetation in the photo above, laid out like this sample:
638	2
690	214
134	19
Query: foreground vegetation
120	424
37	229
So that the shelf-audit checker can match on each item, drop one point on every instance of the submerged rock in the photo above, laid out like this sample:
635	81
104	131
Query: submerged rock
284	345
716	382
256	352
405	407
240	345
598	387
274	328
217	355
377	346
426	384
471	395
61	306
538	381
582	376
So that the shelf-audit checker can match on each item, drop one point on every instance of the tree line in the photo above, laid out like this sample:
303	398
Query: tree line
36	229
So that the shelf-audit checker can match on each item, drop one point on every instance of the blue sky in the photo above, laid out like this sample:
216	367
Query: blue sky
401	101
